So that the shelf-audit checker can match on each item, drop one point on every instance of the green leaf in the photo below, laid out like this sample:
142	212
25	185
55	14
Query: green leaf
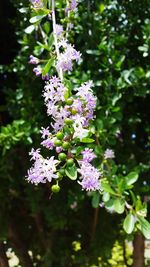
36	18
107	188
106	197
71	172
40	14
47	66
29	29
95	200
67	94
119	205
87	140
129	223
131	178
145	227
23	10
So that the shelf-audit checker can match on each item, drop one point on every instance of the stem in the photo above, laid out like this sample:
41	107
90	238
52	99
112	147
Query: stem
60	73
68	15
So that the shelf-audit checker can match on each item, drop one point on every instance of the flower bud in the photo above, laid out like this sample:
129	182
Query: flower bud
60	135
68	121
69	101
55	188
62	157
70	162
57	142
66	145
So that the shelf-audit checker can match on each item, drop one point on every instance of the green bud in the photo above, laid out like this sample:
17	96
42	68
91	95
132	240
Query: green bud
70	162
62	156
69	101
60	135
68	121
55	188
57	142
73	111
62	172
66	145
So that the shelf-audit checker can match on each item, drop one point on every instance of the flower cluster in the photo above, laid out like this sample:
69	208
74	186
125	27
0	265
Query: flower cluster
71	112
79	108
90	177
66	58
43	169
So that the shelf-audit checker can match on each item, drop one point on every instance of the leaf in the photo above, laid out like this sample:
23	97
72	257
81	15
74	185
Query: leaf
37	18
106	196
107	188
95	200
131	178
47	67
119	205
29	29
87	140
129	223
23	10
40	14
71	172
110	204
145	227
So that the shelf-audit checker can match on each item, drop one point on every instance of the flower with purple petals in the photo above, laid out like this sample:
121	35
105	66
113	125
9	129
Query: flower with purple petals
72	6
90	177
88	155
33	60
36	3
48	143
35	153
65	60
59	30
43	170
37	71
45	132
109	154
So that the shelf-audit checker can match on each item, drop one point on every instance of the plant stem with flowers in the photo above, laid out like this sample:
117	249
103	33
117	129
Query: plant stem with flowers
71	136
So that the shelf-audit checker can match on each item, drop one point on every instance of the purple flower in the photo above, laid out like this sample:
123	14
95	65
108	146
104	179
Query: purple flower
35	154
37	3
58	149
65	60
46	77
90	177
43	170
109	154
88	155
59	30
72	6
48	143
37	71
45	132
33	60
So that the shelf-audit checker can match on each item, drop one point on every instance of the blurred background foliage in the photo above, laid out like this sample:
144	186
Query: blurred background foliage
64	229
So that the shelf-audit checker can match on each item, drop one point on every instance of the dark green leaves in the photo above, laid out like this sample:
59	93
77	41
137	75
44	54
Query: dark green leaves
107	188
29	29
71	172
129	223
144	227
131	178
40	14
47	66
